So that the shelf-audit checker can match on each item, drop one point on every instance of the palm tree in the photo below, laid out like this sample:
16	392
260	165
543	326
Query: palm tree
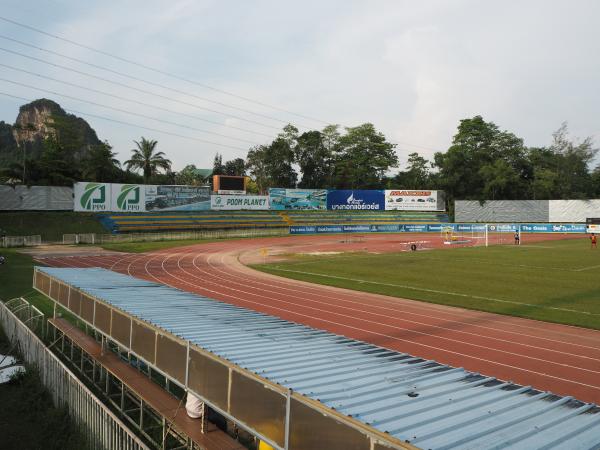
143	157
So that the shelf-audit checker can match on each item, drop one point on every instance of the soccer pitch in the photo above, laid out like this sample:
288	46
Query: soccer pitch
557	281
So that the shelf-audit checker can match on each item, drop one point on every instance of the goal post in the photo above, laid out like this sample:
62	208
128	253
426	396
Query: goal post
465	234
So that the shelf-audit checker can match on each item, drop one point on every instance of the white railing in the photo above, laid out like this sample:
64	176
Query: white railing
21	241
171	236
101	428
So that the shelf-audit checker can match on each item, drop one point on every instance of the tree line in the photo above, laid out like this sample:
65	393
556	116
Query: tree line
482	163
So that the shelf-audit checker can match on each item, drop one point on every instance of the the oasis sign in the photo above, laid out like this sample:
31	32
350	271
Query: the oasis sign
237	202
98	197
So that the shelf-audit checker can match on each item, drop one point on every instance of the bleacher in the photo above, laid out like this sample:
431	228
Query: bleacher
362	217
206	220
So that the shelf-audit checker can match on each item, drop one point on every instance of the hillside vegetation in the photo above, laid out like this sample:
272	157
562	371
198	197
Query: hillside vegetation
50	225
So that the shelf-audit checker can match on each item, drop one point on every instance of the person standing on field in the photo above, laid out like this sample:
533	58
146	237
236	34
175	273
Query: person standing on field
517	238
593	240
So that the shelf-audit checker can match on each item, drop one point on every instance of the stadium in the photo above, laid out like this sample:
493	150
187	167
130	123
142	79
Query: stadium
323	319
299	226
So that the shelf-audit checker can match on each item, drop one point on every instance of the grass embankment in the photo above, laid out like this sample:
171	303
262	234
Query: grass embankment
141	247
28	419
51	225
16	280
553	281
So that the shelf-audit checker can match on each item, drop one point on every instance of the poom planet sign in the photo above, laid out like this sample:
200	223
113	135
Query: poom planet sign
237	202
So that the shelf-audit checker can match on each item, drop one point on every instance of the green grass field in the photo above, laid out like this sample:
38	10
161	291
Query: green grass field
50	225
557	281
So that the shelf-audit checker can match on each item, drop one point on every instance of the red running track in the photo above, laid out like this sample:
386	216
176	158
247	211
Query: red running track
558	358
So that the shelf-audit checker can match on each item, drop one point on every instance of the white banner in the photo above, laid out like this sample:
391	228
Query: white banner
94	197
412	200
237	202
128	198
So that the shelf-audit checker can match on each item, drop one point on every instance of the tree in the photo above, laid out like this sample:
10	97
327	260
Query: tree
56	166
573	164
235	167
362	158
314	159
469	169
190	175
144	158
101	164
257	164
272	165
416	175
218	167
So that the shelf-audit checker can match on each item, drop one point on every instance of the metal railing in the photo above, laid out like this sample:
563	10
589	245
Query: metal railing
99	239
21	241
101	428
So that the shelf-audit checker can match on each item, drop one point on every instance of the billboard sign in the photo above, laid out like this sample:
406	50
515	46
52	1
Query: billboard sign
281	199
177	198
237	202
127	198
356	200
413	200
92	197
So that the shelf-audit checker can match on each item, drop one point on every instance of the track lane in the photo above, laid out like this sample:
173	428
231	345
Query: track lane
553	357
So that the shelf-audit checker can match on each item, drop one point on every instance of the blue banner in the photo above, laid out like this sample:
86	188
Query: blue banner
302	230
356	200
415	228
439	227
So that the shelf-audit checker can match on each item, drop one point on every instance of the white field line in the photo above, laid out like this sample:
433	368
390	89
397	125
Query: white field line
474	260
582	269
230	276
435	291
181	280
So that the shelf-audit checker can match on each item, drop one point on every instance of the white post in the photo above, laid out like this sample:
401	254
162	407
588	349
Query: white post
486	234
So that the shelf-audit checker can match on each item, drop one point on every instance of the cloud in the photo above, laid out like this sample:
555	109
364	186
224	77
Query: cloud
414	70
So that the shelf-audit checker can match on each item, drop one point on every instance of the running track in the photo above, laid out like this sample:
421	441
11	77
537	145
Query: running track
557	358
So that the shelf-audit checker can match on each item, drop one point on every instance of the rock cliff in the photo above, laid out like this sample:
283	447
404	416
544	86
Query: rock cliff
39	120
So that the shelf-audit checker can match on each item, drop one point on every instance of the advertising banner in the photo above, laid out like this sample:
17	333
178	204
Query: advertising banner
412	200
415	228
177	198
281	199
91	197
127	198
593	228
238	202
356	200
303	229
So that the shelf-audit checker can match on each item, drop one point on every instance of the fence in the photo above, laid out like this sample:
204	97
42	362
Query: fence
101	428
91	238
21	241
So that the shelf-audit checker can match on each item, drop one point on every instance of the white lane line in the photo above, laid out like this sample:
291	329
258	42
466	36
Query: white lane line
277	299
426	309
434	291
364	330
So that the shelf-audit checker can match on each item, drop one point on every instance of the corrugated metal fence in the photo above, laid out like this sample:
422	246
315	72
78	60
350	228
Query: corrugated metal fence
102	429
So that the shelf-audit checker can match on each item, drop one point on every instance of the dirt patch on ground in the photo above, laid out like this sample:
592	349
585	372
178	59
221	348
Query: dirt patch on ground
46	251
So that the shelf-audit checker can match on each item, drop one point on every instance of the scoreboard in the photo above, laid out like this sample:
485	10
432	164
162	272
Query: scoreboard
227	184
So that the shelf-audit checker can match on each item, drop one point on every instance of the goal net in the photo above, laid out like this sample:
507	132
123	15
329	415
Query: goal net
464	234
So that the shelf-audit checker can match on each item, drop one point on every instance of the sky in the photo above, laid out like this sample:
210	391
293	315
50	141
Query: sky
413	69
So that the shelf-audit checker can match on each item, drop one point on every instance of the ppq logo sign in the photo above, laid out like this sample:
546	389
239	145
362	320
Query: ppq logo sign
93	197
129	198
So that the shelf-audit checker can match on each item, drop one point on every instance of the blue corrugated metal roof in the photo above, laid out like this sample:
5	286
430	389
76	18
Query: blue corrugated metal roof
430	405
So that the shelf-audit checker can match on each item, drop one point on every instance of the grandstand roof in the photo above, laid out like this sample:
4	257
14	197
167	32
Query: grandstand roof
430	405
